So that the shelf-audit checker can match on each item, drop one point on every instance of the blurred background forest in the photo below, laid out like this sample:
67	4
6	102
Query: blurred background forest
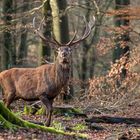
105	66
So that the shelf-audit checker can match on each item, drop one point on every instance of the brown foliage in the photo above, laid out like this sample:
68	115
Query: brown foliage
112	90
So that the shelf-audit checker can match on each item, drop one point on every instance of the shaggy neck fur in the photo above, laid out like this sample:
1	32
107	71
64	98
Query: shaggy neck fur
62	73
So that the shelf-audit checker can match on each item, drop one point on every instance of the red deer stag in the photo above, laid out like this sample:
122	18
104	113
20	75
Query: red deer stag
44	82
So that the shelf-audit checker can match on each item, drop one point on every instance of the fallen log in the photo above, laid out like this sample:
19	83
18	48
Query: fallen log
69	110
108	119
57	110
12	122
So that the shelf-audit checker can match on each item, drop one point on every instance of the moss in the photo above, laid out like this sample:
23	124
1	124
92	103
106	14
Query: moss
31	110
7	125
57	125
26	110
68	111
41	111
79	127
11	121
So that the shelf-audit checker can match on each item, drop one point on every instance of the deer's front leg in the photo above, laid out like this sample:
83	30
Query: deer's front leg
48	103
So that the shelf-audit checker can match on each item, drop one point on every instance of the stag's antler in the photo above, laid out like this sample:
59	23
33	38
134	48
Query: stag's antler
87	31
72	42
46	39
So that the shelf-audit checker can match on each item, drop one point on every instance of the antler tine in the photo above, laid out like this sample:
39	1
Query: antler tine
58	43
46	39
37	31
74	36
87	32
87	28
41	23
54	39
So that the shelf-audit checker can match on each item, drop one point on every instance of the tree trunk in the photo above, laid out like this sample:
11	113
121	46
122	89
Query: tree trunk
45	48
84	63
60	22
14	35
22	50
7	49
121	21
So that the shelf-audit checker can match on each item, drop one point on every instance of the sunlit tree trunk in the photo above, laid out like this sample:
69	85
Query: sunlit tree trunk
123	37
60	22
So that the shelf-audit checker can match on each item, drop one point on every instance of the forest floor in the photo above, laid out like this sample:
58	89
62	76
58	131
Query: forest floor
72	123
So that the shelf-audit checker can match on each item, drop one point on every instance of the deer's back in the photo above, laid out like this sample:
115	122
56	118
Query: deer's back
28	82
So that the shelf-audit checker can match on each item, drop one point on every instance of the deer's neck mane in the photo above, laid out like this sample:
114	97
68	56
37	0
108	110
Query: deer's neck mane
62	73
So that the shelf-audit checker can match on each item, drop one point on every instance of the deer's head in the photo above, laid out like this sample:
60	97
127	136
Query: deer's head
64	55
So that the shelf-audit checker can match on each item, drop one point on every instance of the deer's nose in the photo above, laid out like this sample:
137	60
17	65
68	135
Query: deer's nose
64	54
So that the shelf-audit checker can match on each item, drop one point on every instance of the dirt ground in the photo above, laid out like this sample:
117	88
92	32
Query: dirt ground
72	123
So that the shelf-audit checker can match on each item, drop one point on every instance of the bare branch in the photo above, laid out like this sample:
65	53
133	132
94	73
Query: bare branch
88	28
46	39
